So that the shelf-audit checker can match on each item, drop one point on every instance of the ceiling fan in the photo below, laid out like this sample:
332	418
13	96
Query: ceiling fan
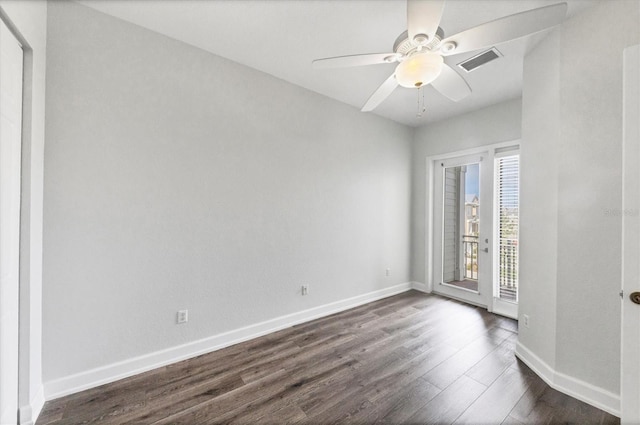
420	50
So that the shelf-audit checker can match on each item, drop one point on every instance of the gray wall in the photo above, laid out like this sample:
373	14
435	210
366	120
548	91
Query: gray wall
178	179
539	197
572	129
494	124
589	240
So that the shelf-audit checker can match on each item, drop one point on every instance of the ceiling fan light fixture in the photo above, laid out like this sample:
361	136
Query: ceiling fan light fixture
419	69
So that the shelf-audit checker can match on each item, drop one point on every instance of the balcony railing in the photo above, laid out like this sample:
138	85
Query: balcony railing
470	251
508	265
508	273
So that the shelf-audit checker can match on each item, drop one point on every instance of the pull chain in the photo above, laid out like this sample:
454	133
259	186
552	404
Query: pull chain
421	107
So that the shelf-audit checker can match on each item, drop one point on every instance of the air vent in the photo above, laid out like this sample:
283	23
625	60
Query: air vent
480	59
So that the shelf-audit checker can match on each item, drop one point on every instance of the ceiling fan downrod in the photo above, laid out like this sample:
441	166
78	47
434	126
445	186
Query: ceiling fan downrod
421	106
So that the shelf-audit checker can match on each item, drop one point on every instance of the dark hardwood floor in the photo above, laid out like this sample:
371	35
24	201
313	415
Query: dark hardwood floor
412	358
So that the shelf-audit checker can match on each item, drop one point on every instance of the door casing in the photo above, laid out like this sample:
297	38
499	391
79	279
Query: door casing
630	340
11	93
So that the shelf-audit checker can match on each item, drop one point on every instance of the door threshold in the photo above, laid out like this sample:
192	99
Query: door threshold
462	300
462	288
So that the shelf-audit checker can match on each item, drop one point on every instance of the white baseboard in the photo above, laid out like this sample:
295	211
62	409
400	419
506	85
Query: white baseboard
27	415
115	371
419	286
595	396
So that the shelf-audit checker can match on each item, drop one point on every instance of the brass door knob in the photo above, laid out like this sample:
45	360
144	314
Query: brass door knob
635	297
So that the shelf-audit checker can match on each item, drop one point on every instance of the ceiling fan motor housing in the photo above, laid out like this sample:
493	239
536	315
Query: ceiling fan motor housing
404	46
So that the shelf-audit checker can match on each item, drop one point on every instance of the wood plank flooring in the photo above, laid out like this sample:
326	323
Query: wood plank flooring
412	358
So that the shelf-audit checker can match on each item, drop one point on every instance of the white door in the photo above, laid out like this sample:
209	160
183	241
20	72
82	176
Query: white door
10	145
630	371
462	227
475	221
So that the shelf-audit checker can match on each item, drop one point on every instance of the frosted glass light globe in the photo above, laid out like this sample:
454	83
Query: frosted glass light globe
419	69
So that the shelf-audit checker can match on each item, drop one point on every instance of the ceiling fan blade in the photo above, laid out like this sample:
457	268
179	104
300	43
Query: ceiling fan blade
355	60
381	94
505	29
423	17
451	84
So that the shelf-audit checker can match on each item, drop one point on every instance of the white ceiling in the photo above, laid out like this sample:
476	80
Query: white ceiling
282	37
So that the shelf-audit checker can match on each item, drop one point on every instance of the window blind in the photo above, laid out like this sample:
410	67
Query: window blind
508	193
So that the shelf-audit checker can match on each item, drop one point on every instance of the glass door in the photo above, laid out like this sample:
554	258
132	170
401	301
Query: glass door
462	225
475	229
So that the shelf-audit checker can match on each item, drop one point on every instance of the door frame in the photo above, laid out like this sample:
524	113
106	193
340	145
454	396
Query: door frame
431	161
10	310
630	280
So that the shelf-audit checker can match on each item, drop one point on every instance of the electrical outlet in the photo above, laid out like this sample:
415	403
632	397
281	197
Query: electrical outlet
525	320
305	290
387	272
182	316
